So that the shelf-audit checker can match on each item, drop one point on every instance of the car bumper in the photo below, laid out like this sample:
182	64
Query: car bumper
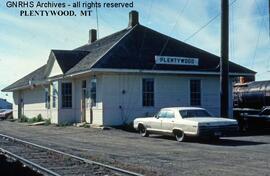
218	131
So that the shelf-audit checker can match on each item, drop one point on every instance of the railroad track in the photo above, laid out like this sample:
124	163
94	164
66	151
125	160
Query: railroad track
49	161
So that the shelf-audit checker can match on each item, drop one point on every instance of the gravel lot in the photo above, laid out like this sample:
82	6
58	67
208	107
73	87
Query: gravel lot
155	155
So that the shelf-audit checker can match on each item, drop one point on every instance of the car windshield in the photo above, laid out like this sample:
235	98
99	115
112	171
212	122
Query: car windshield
194	113
265	112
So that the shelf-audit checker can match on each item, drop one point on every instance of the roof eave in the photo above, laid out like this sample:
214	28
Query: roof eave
37	83
156	71
14	89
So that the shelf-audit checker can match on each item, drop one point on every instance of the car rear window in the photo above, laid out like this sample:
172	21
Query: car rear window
194	113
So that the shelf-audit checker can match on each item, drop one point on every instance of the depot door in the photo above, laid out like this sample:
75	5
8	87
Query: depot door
20	105
83	102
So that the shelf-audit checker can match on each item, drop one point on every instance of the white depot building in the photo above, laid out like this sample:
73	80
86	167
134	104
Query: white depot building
131	73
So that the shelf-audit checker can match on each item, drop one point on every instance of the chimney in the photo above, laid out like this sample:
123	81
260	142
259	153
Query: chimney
133	18
92	35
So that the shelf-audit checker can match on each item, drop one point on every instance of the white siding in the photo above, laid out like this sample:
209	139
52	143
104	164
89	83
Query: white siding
98	117
56	70
211	94
34	102
73	115
77	97
170	90
15	104
119	98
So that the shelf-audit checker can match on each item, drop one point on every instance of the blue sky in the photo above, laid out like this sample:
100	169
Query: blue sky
25	42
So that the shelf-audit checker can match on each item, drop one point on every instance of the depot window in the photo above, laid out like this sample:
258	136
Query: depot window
93	92
54	95
47	98
195	92
148	92
66	95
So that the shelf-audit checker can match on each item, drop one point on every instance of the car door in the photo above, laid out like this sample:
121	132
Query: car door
155	122
167	122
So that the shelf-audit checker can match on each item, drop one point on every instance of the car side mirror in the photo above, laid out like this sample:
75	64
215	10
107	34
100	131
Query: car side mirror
156	116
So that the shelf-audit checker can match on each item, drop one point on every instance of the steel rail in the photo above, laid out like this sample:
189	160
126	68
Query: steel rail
74	156
29	163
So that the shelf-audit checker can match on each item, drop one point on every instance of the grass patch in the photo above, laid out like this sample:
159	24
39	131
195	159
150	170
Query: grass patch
47	122
38	118
35	119
23	119
86	125
64	124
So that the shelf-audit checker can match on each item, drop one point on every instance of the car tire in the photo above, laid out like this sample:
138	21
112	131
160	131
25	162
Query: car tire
180	136
143	131
214	138
245	127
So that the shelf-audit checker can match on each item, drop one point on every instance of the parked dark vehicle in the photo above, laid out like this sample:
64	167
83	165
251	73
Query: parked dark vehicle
254	95
251	105
5	114
255	121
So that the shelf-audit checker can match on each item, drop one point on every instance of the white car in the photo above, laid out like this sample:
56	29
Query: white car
5	113
185	121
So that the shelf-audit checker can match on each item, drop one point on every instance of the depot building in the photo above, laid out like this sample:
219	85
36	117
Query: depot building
133	72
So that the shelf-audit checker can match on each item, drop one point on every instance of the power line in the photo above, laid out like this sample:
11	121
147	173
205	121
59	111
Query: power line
256	46
167	41
196	32
203	26
260	10
259	34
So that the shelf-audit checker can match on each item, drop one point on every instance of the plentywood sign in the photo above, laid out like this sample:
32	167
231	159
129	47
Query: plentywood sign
171	60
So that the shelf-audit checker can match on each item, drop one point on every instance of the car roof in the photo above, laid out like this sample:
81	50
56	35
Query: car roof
182	108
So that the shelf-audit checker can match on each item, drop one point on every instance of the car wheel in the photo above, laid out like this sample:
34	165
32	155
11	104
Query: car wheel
143	131
180	136
214	138
245	127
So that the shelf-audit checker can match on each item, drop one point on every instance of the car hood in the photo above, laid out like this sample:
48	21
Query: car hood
143	118
213	121
5	111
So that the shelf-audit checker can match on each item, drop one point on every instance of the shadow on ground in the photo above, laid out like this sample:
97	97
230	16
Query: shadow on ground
234	142
255	132
220	142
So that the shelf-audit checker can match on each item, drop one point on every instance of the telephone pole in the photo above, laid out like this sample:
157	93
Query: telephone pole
224	60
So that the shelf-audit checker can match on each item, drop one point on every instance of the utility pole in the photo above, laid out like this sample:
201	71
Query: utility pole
224	59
